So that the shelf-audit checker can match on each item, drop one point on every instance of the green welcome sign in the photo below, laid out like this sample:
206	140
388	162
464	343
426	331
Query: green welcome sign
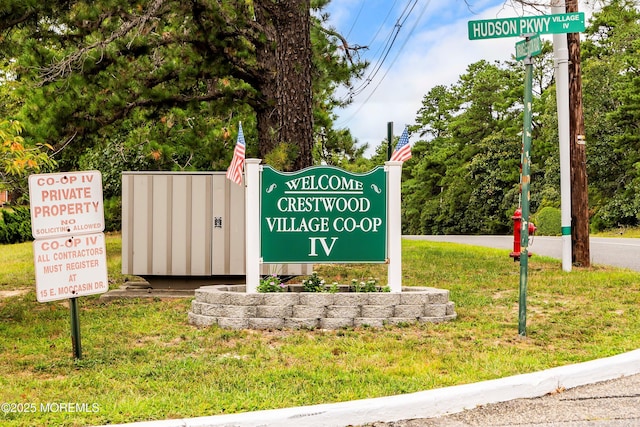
323	214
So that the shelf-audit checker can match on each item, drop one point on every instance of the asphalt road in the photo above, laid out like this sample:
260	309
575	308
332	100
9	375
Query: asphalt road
614	403
618	252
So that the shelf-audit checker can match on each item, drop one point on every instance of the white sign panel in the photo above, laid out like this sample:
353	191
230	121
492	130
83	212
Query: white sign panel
67	203
69	267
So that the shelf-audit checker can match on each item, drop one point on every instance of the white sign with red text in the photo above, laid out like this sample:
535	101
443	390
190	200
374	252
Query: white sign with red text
69	267
66	203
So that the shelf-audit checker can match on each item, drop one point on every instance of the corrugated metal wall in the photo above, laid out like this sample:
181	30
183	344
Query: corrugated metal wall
186	224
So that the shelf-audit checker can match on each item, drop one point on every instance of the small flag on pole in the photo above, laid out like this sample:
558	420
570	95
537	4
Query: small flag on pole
234	173
403	149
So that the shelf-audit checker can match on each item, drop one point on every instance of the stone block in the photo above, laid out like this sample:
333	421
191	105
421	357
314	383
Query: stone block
276	311
376	311
196	307
451	308
280	298
408	311
439	296
414	298
369	321
200	321
435	310
343	311
384	298
233	323
213	296
262	323
214	310
308	311
401	320
351	298
336	323
316	299
241	298
301	323
239	311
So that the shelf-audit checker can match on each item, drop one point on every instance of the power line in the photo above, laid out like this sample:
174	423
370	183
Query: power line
399	23
387	48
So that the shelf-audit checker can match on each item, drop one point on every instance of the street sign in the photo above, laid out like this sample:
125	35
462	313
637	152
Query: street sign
66	203
530	47
323	214
69	267
517	27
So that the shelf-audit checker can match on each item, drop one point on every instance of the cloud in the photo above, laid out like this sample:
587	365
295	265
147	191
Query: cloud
437	53
431	57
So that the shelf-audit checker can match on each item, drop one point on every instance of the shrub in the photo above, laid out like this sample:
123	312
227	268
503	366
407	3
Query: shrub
113	214
313	284
271	284
15	226
548	221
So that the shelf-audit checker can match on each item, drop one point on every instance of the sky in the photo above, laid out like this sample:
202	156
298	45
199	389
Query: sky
432	47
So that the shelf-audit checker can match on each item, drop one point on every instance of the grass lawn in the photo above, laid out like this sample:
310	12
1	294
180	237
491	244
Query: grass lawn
143	361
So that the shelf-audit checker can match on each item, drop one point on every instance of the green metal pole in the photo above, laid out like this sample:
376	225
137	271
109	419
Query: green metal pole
526	196
389	139
75	328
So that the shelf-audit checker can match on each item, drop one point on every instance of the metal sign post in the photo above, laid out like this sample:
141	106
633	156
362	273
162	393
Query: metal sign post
526	194
531	27
75	328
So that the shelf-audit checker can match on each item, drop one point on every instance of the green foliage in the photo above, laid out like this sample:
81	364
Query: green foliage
464	178
548	221
282	157
113	214
371	285
170	79
271	284
313	283
18	158
15	225
611	84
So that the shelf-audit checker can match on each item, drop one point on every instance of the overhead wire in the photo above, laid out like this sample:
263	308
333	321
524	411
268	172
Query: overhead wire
400	22
387	49
355	20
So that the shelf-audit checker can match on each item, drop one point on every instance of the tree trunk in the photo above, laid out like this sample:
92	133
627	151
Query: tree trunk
287	117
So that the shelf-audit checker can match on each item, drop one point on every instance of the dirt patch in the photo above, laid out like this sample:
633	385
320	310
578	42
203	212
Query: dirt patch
15	293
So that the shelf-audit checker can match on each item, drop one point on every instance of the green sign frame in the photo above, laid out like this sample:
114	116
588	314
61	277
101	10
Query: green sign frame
323	214
517	27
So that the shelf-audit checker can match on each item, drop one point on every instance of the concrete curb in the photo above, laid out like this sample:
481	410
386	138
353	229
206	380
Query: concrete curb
424	404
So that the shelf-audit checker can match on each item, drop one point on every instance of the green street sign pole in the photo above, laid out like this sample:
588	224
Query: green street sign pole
525	181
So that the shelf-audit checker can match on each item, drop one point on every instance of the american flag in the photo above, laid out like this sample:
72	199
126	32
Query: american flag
403	149
234	173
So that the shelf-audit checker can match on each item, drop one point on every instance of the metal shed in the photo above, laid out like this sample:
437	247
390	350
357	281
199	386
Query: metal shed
186	228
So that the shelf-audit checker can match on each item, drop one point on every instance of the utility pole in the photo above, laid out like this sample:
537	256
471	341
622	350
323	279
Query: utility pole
579	190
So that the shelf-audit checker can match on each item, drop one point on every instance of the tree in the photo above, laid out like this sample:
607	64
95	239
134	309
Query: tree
17	159
611	57
88	67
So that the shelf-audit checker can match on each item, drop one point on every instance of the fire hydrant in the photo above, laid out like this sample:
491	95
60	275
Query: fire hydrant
517	225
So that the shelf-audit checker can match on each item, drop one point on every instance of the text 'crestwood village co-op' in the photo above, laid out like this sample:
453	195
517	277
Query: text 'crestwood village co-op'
342	188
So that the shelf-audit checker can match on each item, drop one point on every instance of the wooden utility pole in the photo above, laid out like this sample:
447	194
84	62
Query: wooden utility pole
577	153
